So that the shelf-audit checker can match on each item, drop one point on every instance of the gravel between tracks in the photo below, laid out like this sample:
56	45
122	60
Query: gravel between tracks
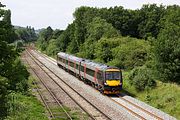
111	108
59	93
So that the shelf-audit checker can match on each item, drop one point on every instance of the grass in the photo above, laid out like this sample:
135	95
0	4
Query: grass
166	96
74	114
26	106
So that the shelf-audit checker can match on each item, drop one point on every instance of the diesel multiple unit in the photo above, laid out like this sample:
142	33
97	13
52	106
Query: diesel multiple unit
106	79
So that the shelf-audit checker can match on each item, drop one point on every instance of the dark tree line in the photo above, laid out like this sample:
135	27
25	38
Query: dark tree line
27	34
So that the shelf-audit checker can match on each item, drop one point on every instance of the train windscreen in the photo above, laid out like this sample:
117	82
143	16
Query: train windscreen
113	76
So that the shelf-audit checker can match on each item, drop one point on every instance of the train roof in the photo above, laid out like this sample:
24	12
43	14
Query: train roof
90	63
71	57
100	66
95	64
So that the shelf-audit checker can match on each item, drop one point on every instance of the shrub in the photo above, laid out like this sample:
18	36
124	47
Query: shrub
141	78
52	48
130	53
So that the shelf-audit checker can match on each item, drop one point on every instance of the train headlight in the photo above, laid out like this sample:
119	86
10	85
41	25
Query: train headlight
105	83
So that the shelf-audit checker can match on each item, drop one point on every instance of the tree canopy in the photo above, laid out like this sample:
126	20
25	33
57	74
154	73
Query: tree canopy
126	38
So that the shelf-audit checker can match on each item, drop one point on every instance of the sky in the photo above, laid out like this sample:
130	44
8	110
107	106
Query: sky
59	13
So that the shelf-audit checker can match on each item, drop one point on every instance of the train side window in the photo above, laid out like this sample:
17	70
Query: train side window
59	59
82	68
71	64
77	66
89	72
62	60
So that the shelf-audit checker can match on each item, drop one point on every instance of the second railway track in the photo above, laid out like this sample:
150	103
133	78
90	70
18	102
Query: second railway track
49	99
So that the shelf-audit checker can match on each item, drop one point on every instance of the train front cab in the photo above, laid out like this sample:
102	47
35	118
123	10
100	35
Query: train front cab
113	81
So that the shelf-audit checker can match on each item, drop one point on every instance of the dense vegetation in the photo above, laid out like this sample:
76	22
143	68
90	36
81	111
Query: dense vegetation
148	37
27	34
14	88
144	42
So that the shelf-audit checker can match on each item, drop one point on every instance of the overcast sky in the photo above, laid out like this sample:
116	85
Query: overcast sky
58	13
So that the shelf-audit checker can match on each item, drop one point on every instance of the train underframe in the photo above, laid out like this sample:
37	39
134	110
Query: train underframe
112	89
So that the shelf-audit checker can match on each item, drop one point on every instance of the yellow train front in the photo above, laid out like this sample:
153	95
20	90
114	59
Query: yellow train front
112	81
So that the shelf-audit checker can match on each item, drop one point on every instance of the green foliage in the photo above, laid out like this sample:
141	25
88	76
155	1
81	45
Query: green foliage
103	49
167	99
56	33
3	97
41	44
52	48
6	29
165	96
100	28
94	34
18	76
66	40
26	34
130	53
167	51
167	48
24	107
97	29
141	78
149	17
13	75
48	40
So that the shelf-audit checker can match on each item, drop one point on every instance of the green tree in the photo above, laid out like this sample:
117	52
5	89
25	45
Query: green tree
167	46
66	41
3	97
167	53
44	37
141	78
26	34
52	48
130	53
7	55
95	30
103	49
149	16
6	30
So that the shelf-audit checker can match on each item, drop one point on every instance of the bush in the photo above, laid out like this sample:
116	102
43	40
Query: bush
3	96
130	53
52	48
141	78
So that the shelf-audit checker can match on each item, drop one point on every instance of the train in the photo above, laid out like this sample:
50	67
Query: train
106	79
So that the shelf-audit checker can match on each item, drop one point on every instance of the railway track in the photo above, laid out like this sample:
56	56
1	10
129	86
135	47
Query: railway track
96	115
138	111
141	113
51	102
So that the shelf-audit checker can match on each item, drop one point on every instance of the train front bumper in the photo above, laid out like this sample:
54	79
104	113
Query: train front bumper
112	89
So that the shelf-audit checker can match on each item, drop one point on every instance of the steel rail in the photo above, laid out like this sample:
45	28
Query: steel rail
52	94
144	110
39	92
72	89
